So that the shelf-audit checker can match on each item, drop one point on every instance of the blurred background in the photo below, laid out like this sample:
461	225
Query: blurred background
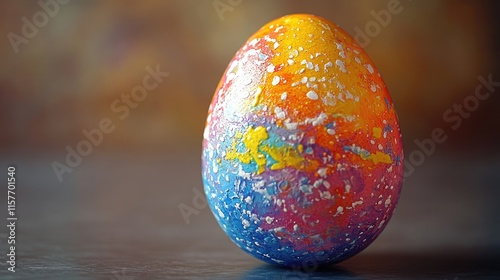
61	76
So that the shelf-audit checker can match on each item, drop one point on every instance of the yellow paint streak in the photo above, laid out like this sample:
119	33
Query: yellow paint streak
285	156
380	157
301	148
252	139
258	94
377	132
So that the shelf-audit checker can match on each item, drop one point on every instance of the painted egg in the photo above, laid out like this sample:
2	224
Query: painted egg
302	157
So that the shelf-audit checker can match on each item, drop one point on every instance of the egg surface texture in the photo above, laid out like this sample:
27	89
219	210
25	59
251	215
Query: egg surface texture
302	157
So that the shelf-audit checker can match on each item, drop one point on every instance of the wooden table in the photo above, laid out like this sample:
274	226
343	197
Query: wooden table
117	217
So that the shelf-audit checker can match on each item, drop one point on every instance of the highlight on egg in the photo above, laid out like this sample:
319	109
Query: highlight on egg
302	157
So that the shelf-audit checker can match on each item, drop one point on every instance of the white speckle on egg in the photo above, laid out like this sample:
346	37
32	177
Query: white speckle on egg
381	224
370	68
329	99
276	80
340	85
270	68
328	64
283	96
245	223
341	50
312	95
347	188
354	204
388	202
326	195
220	213
280	114
340	97
318	183
322	172
310	85
269	219
318	120
341	65
291	126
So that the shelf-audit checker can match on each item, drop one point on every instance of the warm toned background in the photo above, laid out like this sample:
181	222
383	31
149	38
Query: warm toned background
127	191
64	79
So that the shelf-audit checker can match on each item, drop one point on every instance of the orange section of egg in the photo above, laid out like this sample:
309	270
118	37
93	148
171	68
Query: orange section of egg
308	50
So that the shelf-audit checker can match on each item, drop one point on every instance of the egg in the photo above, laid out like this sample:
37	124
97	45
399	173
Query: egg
302	159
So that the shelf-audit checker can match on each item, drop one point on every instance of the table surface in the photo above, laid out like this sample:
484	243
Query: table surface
117	217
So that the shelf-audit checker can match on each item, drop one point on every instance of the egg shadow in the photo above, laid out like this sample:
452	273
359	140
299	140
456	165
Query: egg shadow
268	271
451	265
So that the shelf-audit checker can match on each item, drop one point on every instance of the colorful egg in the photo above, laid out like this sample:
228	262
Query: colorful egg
302	153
